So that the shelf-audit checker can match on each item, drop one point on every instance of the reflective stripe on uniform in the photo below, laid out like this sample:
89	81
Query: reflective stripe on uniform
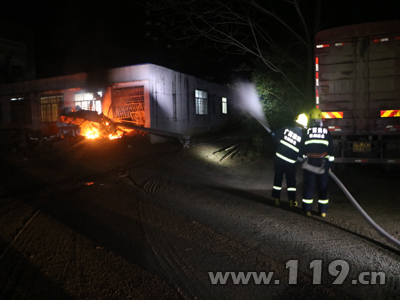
324	142
285	158
323	201
291	189
289	145
278	188
308	201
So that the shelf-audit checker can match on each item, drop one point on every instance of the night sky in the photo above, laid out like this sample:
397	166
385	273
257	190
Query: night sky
72	37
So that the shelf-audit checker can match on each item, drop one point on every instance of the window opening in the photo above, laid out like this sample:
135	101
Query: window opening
224	105
201	102
49	108
87	101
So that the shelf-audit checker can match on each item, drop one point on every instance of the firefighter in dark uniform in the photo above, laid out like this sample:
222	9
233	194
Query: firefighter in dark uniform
288	142
317	148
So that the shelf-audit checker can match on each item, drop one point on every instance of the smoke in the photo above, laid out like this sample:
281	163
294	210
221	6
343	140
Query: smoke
249	102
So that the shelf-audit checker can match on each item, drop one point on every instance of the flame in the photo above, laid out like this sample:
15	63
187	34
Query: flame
113	137
93	134
98	130
89	124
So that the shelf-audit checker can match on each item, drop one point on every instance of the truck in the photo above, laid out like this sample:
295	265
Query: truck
357	88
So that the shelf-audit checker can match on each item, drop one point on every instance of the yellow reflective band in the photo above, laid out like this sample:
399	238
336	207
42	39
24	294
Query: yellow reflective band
291	189
324	142
390	113
338	114
277	188
332	115
323	201
386	113
285	158
289	145
308	201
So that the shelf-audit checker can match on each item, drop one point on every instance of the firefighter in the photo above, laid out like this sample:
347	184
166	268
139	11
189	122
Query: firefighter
317	148
288	142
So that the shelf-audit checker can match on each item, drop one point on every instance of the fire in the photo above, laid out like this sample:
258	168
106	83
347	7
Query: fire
113	137
89	124
93	134
97	130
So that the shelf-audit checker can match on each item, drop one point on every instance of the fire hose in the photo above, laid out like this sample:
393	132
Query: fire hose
364	214
321	170
265	126
318	170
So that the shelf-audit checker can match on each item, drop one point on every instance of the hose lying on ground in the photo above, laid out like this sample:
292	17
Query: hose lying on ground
365	215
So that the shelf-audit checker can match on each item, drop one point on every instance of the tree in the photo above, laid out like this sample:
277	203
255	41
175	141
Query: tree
273	37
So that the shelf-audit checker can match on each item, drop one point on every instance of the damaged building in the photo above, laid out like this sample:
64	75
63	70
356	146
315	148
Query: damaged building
147	96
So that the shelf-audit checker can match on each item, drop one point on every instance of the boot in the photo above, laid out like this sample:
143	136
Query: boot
292	203
277	201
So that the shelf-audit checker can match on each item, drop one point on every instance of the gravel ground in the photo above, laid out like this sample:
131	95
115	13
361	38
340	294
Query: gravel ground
128	220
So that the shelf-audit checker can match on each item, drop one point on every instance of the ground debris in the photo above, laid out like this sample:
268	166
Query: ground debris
238	149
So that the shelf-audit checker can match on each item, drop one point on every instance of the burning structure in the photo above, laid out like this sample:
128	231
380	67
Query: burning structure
146	96
87	123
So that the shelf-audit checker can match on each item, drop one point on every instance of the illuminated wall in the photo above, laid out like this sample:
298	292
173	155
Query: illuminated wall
170	98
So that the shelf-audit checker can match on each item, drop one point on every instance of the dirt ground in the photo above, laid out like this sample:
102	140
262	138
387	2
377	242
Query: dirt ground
125	219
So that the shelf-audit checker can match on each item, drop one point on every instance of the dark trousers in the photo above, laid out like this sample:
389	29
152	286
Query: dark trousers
283	168
310	181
